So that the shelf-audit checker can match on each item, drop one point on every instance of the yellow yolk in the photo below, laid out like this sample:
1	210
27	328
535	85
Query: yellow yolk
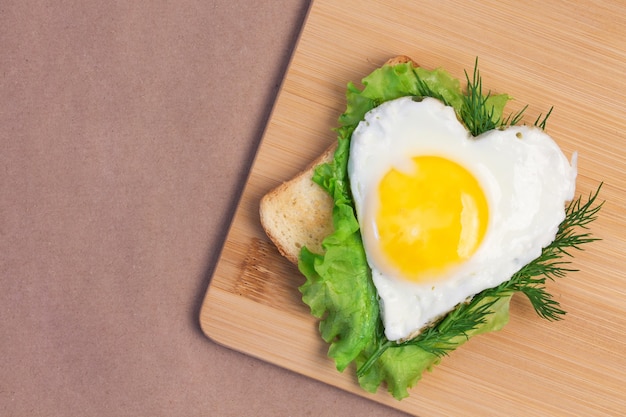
430	219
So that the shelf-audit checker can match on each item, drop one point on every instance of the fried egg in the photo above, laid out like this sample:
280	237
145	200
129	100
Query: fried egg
444	215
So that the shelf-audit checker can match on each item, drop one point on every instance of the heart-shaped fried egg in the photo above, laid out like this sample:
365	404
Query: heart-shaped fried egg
445	215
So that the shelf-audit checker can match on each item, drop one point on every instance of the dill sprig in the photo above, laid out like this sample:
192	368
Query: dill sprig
514	118
541	122
424	90
476	113
443	337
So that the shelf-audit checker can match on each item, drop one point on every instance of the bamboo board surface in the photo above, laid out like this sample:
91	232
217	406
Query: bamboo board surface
570	55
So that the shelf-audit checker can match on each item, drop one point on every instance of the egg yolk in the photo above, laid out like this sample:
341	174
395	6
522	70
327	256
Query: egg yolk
430	219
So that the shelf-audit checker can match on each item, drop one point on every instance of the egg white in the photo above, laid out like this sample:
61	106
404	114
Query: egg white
526	180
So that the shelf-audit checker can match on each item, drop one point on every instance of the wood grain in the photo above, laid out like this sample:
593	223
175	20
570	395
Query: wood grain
570	55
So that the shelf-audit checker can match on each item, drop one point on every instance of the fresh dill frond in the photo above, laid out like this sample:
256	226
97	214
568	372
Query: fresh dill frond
424	90
443	337
514	119
541	123
542	301
476	113
578	215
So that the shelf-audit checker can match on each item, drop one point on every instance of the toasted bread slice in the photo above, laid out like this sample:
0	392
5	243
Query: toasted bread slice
298	212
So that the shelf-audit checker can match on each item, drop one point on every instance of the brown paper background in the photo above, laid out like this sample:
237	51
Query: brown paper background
127	129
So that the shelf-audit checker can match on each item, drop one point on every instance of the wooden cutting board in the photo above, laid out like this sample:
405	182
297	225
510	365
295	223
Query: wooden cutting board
570	55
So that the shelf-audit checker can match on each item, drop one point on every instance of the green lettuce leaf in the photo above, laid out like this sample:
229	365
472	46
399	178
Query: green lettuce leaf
339	288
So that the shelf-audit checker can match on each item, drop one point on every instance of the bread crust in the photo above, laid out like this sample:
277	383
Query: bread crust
400	59
298	212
